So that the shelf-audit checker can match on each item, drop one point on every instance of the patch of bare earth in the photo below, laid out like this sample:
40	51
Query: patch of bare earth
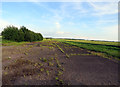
88	69
42	63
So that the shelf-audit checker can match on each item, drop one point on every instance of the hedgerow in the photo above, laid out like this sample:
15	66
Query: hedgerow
23	34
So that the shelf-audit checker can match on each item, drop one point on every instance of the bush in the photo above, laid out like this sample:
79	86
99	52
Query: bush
22	34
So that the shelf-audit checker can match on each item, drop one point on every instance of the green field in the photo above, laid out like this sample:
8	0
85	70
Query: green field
102	48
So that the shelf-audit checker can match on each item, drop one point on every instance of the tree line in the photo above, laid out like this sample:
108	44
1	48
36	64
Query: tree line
23	34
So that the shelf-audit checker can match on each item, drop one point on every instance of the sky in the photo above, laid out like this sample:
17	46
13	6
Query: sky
78	20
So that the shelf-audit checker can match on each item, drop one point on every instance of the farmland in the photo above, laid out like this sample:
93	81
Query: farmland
60	62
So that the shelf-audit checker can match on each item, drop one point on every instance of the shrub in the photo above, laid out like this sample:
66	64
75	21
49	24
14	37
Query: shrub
22	34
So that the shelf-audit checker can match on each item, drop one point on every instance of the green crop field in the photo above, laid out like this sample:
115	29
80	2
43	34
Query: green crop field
105	48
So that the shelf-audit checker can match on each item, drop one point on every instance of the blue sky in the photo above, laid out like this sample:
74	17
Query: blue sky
83	20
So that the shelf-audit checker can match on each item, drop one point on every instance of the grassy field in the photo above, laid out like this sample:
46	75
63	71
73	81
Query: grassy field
101	48
10	43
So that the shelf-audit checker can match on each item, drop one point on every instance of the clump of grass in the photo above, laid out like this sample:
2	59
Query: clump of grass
58	65
47	72
5	73
40	64
55	58
56	78
67	55
50	47
26	53
59	73
40	58
41	69
35	64
61	81
50	64
51	59
44	60
60	48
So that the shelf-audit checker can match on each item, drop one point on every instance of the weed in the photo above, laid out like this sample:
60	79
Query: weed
57	61
60	48
26	53
40	64
56	78
47	73
55	58
44	60
51	59
59	73
35	64
50	64
50	47
40	58
5	73
41	69
58	65
67	55
61	81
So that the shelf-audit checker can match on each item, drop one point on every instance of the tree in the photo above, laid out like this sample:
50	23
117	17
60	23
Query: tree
10	33
22	34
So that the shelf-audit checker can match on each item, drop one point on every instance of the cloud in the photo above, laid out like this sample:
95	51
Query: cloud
79	6
104	21
107	8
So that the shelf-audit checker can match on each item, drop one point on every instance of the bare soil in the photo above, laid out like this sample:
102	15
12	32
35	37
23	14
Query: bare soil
42	63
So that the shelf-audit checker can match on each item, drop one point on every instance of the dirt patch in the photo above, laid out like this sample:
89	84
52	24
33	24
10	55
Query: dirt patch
43	63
